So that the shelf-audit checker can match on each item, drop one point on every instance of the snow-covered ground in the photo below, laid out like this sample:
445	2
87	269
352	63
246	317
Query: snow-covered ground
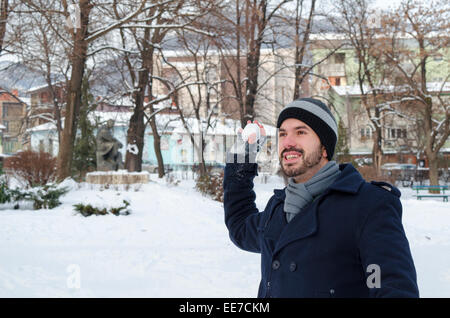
173	244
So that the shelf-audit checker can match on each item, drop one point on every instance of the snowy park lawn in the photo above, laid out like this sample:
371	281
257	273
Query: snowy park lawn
173	244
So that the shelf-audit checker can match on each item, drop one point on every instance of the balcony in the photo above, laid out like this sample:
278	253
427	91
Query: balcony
332	69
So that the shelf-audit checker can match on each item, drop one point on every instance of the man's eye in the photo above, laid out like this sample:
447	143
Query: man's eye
300	132
282	135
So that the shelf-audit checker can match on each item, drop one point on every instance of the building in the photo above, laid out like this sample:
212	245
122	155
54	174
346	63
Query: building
12	114
177	149
275	81
399	133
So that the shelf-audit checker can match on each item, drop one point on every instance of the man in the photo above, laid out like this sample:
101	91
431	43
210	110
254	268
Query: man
328	233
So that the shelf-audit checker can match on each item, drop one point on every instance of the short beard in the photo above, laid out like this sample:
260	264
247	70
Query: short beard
307	162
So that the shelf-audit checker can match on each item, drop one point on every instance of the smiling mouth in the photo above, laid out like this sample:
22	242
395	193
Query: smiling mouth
291	157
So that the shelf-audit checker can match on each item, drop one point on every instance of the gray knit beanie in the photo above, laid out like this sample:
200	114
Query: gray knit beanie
316	115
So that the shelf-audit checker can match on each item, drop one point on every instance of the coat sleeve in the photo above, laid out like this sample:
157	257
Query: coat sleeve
385	252
241	214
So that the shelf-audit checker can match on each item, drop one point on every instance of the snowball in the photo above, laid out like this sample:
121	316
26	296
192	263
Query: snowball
250	129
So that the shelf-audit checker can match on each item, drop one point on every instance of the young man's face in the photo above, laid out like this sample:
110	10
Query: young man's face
300	151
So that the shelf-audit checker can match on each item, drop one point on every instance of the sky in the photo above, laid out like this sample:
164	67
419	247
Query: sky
386	3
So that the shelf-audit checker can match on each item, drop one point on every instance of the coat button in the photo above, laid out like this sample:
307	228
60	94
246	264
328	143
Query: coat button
293	267
276	264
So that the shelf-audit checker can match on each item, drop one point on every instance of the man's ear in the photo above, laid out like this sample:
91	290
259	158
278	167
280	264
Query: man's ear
324	153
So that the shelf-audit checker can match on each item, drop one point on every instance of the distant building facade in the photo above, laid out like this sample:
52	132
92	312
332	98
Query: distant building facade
12	114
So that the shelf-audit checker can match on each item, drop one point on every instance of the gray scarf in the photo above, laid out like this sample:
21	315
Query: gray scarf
300	194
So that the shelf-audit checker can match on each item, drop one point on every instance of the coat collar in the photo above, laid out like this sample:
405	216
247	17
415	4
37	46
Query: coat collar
305	224
349	180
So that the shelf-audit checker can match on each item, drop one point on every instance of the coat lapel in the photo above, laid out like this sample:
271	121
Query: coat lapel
301	226
305	223
275	224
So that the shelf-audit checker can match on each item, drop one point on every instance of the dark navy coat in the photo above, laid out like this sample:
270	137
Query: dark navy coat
332	247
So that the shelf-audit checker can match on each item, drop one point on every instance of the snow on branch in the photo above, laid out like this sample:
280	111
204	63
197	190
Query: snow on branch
112	48
170	26
97	33
387	105
45	116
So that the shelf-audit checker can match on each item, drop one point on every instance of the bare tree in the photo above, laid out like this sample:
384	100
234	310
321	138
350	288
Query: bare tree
244	32
80	34
201	95
301	43
418	33
146	33
39	48
140	69
353	22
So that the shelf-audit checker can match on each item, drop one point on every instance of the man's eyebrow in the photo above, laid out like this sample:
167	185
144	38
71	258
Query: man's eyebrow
295	128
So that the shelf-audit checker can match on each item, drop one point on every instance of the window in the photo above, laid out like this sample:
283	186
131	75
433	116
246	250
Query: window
12	110
339	58
211	75
396	133
366	132
335	80
14	126
50	146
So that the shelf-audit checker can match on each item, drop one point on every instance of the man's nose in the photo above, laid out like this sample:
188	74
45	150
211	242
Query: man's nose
288	141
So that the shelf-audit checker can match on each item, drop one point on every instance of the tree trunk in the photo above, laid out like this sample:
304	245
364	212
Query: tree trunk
252	83
78	60
200	153
157	148
433	169
3	17
377	152
156	136
429	143
135	133
300	49
136	129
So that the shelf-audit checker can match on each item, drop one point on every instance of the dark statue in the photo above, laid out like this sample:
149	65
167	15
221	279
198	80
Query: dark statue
108	155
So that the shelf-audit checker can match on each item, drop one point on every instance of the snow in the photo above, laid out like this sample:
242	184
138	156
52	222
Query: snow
114	173
355	90
133	149
173	244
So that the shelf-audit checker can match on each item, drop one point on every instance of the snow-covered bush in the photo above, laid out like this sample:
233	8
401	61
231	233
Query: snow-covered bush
88	210
211	184
46	197
31	168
